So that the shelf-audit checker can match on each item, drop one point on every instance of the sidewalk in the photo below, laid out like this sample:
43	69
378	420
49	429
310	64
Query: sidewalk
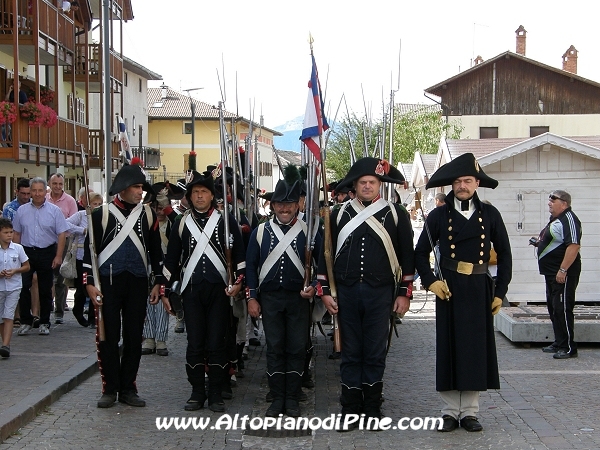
43	368
542	404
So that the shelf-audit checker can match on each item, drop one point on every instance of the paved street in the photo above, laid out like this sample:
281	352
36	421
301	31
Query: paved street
543	403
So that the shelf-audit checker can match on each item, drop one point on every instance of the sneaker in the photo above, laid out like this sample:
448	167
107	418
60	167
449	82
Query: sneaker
59	320
44	329
5	351
36	322
24	330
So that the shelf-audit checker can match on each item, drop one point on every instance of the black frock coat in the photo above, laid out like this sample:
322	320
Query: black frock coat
466	350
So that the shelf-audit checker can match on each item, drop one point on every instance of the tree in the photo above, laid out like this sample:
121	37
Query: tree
418	130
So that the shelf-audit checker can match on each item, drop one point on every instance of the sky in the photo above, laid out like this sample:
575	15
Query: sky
260	49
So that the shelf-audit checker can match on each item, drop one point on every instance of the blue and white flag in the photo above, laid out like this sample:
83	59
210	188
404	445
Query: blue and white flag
125	147
314	118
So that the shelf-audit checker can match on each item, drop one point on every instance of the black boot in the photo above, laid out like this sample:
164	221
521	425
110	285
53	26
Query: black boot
351	401
196	379
307	381
293	388
239	348
216	374
372	405
226	391
277	386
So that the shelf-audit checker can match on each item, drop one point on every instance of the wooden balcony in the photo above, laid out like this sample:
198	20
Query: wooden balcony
55	146
56	32
88	61
96	151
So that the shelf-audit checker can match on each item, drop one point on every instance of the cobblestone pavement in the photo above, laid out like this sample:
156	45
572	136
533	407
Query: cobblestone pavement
542	404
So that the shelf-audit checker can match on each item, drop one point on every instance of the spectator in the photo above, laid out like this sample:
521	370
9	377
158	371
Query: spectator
79	226
12	264
22	196
10	95
57	196
41	228
440	199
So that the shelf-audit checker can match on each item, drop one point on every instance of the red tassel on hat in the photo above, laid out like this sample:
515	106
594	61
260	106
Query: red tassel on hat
137	161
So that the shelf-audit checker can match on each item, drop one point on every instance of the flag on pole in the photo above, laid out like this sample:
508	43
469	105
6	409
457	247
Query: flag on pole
315	122
125	147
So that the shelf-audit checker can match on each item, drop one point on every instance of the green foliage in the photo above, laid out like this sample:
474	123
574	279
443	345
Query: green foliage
418	130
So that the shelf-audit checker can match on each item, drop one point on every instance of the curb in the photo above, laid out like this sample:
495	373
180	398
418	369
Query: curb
20	414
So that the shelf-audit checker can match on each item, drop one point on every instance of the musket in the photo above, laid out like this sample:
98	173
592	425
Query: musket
234	165
93	256
278	162
227	242
248	179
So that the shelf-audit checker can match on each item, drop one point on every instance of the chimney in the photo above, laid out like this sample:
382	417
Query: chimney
521	35
570	60
478	60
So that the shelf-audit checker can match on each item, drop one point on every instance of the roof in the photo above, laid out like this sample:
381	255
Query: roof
488	151
176	105
132	66
287	157
406	108
435	89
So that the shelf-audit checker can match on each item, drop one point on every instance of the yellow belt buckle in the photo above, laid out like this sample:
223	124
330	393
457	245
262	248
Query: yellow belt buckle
466	268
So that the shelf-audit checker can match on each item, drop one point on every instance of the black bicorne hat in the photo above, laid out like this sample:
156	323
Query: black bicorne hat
464	166
174	191
196	178
376	167
127	176
288	190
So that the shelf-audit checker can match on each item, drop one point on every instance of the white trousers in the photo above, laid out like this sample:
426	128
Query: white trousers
460	404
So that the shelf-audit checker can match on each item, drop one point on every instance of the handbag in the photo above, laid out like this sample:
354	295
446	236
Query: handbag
68	268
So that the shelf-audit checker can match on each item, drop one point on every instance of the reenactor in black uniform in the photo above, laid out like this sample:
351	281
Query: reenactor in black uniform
275	284
374	271
466	228
196	258
127	239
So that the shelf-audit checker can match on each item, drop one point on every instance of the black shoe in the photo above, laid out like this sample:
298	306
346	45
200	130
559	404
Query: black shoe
216	403
470	423
5	351
269	397
195	402
254	341
276	408
563	354
81	320
335	355
132	399
550	349
450	424
302	397
148	351
308	383
107	400
292	408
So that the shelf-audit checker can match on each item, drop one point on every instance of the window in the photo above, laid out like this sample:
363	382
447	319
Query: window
133	126
187	127
488	132
140	88
536	131
125	80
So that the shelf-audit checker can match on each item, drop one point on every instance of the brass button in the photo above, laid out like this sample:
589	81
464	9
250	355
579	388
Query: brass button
452	255
483	236
449	238
449	220
482	227
482	244
480	261
480	219
480	253
449	228
453	246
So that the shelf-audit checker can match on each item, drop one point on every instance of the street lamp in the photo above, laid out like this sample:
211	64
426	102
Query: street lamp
192	158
